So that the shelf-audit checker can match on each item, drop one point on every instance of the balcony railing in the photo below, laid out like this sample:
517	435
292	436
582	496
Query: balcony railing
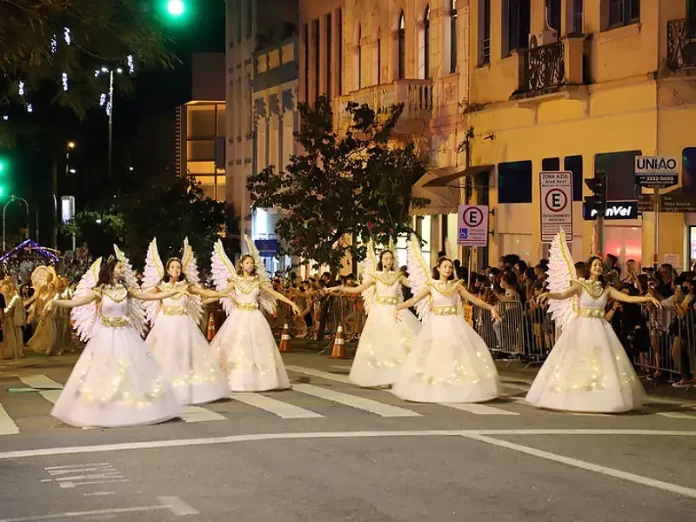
416	95
681	44
550	68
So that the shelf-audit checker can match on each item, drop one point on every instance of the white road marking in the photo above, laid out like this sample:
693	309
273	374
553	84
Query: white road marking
318	373
674	415
588	466
99	494
378	408
174	504
48	388
256	437
83	474
7	425
198	414
274	406
477	409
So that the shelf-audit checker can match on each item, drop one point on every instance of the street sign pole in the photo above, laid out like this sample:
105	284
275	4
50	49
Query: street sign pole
657	228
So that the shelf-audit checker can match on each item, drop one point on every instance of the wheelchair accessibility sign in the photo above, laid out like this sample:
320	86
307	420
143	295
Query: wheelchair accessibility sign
472	225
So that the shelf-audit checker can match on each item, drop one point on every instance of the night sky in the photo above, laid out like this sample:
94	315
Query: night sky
142	127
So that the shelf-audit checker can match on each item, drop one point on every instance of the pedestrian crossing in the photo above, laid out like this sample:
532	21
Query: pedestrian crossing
330	394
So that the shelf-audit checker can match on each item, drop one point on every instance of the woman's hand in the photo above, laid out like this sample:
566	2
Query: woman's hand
495	315
543	298
655	302
296	309
397	316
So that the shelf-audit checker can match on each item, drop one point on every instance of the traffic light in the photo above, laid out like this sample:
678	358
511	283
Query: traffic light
598	200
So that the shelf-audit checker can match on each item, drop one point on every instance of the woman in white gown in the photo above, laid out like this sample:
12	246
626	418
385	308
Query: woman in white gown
115	382
588	369
176	341
244	346
384	342
449	361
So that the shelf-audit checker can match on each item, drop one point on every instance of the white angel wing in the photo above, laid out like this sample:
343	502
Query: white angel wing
85	317
152	275
222	271
418	276
189	266
267	302
136	309
369	266
561	273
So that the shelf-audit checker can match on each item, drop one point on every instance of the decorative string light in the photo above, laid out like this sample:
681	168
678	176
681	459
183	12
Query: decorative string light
5	117
30	107
108	108
131	64
102	100
65	82
54	44
21	88
96	73
68	36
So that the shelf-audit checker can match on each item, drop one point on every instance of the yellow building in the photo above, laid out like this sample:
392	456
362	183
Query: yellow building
609	80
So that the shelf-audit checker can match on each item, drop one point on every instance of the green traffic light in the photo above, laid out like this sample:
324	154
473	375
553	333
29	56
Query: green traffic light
176	7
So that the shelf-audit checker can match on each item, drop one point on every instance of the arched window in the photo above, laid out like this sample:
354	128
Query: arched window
453	36
402	47
426	43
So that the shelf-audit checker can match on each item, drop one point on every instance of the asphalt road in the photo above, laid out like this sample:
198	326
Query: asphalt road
327	451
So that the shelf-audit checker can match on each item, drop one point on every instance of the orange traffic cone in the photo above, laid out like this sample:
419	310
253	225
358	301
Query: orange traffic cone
285	340
339	350
211	327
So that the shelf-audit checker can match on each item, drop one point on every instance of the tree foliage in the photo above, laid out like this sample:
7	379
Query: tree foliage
356	184
169	212
36	50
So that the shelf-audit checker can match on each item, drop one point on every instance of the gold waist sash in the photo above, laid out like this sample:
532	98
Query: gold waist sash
446	310
594	313
247	307
114	322
387	300
174	310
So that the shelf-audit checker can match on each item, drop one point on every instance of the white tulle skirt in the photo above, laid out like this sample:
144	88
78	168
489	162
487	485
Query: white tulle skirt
116	383
449	362
383	347
587	371
187	363
247	352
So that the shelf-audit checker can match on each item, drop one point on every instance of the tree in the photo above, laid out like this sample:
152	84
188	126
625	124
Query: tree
51	49
170	212
341	186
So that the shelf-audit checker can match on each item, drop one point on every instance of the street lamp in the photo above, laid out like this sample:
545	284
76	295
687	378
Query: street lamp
4	209
110	108
69	146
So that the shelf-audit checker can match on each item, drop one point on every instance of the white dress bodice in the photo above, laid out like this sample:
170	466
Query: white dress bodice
247	291
592	296
177	299
387	284
444	294
114	303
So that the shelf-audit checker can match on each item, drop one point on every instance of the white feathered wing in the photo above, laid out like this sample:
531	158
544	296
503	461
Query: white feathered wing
418	276
560	275
222	271
136	310
152	275
369	266
85	317
189	265
266	301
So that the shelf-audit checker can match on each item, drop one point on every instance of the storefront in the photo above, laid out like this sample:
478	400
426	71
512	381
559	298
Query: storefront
623	236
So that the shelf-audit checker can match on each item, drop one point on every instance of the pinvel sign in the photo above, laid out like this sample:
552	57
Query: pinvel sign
556	190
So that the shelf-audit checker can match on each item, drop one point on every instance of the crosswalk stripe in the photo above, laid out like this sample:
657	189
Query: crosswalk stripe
274	406
318	373
378	408
674	415
477	409
7	425
198	414
51	390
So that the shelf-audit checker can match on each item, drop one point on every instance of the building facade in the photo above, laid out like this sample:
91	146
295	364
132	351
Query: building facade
251	25
501	90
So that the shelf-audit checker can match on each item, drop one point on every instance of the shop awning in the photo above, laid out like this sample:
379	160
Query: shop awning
452	178
444	199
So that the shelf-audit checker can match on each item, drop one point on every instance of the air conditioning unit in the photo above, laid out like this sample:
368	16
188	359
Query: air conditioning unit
545	37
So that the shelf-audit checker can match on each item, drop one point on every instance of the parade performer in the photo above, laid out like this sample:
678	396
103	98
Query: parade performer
63	340
384	342
175	339
588	369
12	346
115	382
43	341
245	346
449	362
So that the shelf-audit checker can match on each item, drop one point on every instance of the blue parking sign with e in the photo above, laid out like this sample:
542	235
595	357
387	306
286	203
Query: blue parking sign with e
463	233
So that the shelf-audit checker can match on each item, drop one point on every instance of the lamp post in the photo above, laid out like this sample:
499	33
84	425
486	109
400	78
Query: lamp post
70	146
4	209
110	109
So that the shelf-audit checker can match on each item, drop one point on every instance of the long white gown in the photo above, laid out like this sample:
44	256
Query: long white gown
183	353
384	342
449	362
115	382
244	346
588	369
